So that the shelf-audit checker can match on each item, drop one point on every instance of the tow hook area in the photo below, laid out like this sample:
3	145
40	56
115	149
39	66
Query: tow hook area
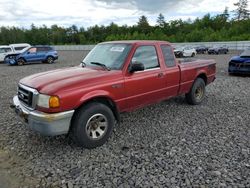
12	106
20	113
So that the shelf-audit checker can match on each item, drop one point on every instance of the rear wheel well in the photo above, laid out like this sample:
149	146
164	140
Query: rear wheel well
203	76
106	101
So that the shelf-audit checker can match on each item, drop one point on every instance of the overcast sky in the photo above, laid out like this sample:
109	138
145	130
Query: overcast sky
23	13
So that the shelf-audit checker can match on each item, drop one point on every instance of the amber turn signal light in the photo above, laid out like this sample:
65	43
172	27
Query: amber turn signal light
54	102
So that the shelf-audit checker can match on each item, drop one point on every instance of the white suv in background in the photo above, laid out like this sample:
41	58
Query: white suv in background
4	50
18	47
185	52
11	49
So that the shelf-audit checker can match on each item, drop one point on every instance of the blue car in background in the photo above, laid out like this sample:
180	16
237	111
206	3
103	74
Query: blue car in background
45	54
240	64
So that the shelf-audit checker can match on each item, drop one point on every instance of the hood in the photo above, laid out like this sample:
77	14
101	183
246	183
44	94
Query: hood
245	54
241	59
64	79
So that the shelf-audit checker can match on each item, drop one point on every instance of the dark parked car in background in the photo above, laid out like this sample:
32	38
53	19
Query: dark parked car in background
218	50
240	64
45	54
201	49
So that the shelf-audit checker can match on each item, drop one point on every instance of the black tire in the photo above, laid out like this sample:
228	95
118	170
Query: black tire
20	62
193	54
87	122
197	93
50	60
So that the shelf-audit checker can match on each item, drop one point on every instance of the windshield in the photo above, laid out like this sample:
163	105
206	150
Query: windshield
179	49
25	49
246	53
111	55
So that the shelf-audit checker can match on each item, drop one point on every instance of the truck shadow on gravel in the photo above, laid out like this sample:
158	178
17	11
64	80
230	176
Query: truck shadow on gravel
65	140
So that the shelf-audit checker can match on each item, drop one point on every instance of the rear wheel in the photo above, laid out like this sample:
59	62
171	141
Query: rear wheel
50	60
20	61
197	93
92	125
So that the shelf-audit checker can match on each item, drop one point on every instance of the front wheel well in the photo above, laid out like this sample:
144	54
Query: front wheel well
49	57
106	101
21	58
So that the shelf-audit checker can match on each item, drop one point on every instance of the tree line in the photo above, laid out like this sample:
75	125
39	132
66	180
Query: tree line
208	28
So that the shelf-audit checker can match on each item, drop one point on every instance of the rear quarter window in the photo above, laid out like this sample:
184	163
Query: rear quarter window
168	55
44	49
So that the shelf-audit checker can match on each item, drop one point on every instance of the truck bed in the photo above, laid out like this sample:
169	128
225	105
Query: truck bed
192	68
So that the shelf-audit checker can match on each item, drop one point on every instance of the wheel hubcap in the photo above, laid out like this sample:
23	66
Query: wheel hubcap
199	93
20	62
96	126
50	60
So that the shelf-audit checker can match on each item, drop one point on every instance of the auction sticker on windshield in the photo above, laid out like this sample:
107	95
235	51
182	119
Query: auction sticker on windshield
117	49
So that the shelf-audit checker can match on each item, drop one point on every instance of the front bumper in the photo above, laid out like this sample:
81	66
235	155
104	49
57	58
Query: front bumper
10	61
239	70
44	123
55	57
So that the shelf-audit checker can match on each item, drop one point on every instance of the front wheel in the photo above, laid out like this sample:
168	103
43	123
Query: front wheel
197	93
193	54
92	125
50	60
20	62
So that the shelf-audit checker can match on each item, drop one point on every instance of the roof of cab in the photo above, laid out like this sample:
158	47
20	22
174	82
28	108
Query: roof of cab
4	46
137	42
42	46
19	44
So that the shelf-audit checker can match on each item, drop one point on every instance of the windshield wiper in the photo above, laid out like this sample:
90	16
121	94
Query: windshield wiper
100	64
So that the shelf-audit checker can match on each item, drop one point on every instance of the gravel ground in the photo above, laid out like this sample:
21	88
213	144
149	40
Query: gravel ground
170	144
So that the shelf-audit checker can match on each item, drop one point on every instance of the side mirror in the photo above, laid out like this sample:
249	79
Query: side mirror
137	66
28	52
83	64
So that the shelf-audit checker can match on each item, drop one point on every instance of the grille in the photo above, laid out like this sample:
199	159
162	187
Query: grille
239	64
25	96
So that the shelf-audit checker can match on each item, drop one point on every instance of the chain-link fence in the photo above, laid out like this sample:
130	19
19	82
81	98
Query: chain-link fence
232	45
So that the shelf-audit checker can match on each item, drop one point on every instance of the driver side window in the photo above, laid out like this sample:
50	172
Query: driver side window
147	56
32	50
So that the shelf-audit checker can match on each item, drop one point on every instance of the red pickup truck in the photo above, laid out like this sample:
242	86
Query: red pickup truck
85	101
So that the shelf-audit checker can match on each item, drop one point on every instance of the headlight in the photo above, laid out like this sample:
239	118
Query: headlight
47	101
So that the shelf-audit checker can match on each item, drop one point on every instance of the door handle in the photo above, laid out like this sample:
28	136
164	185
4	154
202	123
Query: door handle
160	75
